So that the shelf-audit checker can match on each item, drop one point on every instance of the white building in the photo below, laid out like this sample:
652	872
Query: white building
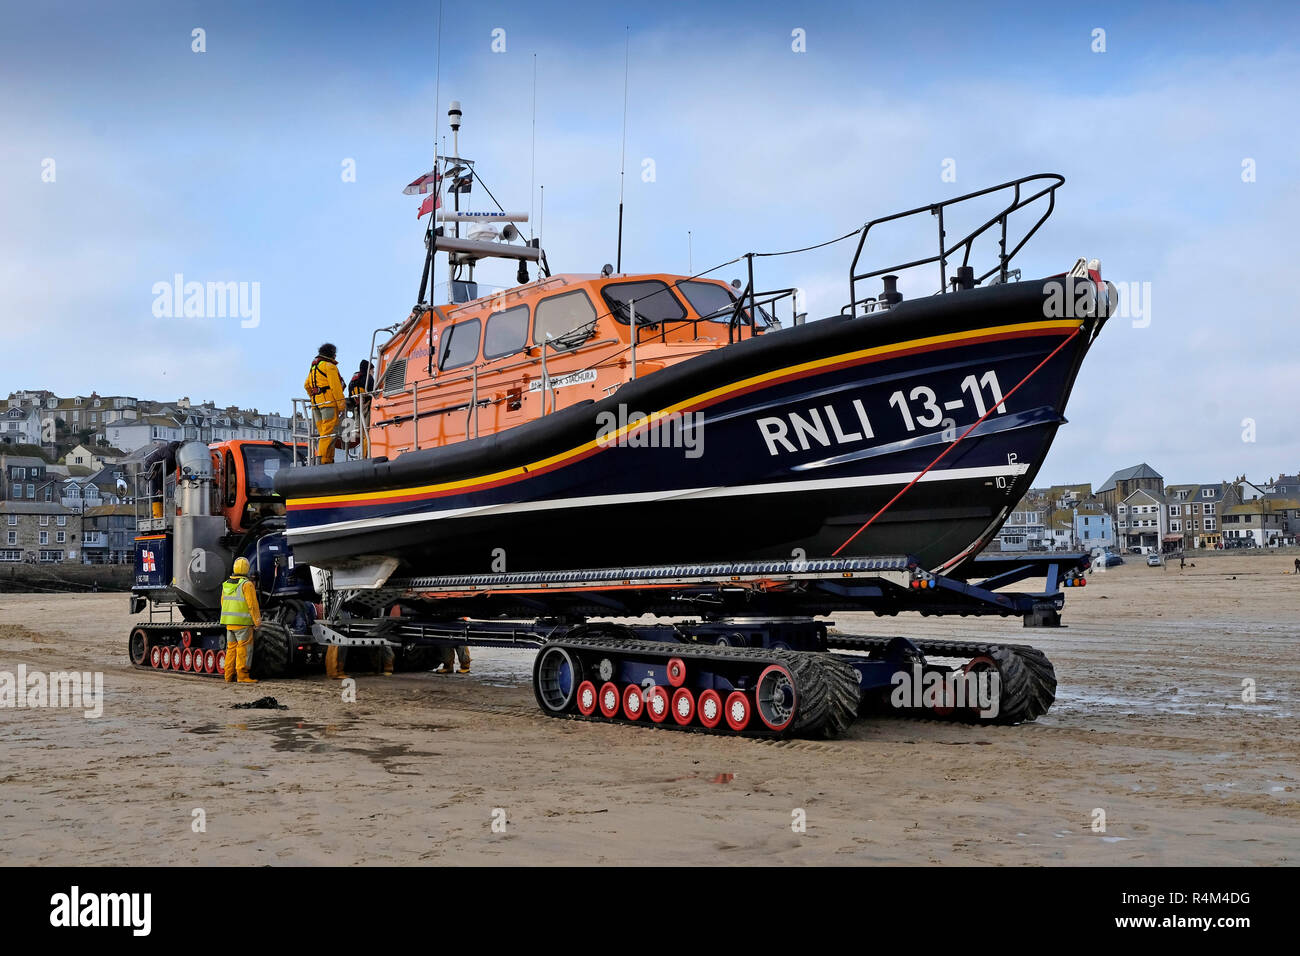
1025	530
21	426
131	435
1142	521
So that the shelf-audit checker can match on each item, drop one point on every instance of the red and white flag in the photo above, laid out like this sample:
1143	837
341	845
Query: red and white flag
427	183
429	205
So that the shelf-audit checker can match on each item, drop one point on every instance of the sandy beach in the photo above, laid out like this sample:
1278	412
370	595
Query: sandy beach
1149	727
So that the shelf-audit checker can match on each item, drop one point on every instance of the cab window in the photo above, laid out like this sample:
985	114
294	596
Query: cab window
710	300
460	344
567	319
232	480
261	464
654	302
507	332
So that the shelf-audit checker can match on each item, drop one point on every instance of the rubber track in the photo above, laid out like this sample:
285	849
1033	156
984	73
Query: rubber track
175	627
1027	676
827	688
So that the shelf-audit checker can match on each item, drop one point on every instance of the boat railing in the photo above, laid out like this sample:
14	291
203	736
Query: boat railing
351	437
1024	192
750	306
153	503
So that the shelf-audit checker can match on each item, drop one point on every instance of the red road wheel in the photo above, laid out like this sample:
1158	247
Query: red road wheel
210	661
187	659
710	708
977	665
633	702
187	638
156	657
657	704
176	658
676	672
949	697
737	710
221	660
609	699
683	706
775	698
166	663
586	698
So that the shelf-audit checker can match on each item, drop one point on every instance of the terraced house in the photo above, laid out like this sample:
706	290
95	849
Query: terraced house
1253	516
1195	515
1142	522
1284	492
37	531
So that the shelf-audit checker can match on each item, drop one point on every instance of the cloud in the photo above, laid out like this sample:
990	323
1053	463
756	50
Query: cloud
227	168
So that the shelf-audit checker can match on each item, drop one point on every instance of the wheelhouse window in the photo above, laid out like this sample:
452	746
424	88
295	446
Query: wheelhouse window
568	319
710	300
261	464
506	333
460	344
232	480
655	303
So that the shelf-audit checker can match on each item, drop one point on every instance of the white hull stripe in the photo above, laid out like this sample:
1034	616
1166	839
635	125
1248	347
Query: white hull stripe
592	501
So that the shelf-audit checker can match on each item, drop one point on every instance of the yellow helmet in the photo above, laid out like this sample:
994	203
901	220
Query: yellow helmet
241	567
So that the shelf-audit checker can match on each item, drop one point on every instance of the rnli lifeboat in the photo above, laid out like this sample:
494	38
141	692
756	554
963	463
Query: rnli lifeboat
609	420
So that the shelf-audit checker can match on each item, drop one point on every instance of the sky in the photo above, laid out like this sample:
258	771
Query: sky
128	157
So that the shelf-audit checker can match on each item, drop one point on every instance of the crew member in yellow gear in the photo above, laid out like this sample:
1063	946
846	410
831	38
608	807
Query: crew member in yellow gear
240	614
328	399
336	656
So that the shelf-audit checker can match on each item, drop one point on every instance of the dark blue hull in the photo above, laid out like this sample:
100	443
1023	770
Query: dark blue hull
778	446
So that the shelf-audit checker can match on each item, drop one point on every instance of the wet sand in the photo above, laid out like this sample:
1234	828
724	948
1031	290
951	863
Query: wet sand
1149	726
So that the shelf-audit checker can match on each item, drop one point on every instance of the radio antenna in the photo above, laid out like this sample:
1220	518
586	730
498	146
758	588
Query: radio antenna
430	237
532	162
622	162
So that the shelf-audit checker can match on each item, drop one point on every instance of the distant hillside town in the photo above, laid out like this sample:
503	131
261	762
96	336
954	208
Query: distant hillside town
65	461
1135	511
65	499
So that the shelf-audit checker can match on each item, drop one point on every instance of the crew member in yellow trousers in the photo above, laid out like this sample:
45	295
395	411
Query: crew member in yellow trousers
335	656
328	400
240	614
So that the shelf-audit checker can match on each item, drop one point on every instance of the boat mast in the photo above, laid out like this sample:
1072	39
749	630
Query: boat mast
622	161
430	235
454	114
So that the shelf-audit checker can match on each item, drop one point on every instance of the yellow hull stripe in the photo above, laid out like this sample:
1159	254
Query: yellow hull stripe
843	358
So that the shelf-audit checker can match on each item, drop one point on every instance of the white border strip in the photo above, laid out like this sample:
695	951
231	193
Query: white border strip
591	501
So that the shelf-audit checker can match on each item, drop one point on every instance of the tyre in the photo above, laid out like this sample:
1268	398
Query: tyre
418	658
1028	684
138	647
557	673
829	694
272	650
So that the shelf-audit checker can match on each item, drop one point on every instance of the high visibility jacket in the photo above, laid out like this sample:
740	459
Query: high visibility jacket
239	603
358	384
324	385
